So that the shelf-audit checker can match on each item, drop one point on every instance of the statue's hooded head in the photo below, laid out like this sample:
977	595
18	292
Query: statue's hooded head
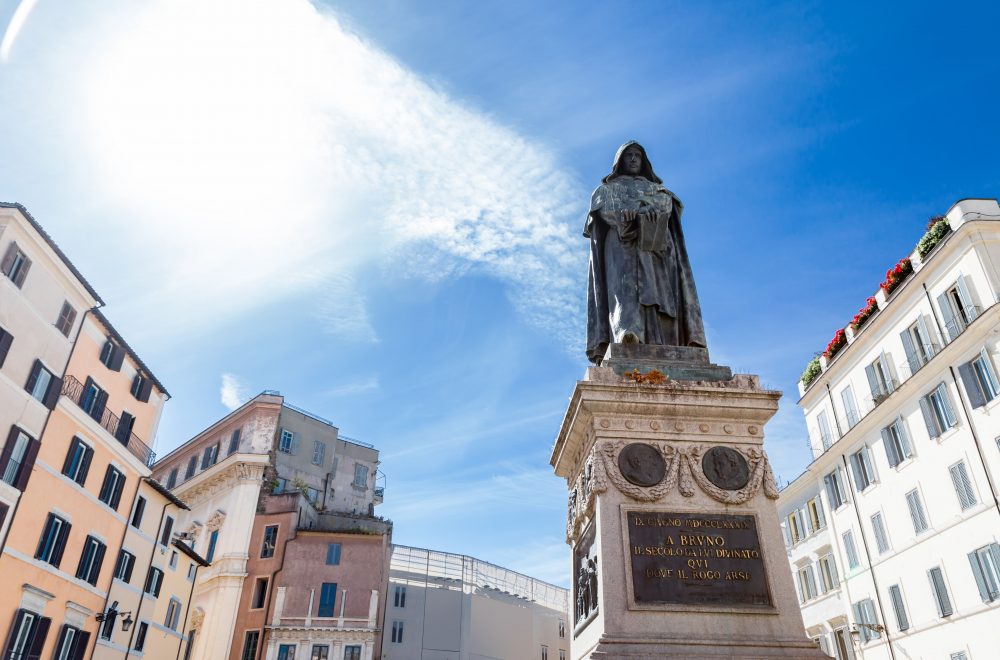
618	169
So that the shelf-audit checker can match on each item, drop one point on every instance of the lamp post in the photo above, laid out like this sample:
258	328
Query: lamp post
108	618
876	628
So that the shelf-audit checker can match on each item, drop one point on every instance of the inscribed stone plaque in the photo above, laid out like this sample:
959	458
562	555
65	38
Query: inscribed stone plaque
642	464
726	468
696	559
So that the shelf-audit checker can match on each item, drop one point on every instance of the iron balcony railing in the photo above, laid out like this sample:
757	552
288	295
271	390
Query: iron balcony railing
72	389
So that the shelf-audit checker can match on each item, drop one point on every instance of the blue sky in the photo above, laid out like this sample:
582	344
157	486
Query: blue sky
376	207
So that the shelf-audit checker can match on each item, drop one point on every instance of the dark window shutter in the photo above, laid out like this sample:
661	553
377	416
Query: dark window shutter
140	508
61	544
124	430
890	448
8	448
80	645
976	397
100	403
18	620
22	272
45	533
116	496
168	527
117	357
977	572
925	411
911	353
36	369
52	394
6	339
95	569
3	513
69	454
8	258
106	351
38	642
88	456
27	465
145	390
128	570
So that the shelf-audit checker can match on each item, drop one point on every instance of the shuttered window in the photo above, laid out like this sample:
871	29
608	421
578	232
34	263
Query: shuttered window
985	563
826	436
124	565
864	612
850	549
940	592
89	567
896	442
327	598
67	316
112	355
53	540
980	380
43	385
828	573
835	489
861	466
111	489
963	485
850	406
881	538
234	442
191	467
15	264
77	463
898	608
916	512
6	340
17	459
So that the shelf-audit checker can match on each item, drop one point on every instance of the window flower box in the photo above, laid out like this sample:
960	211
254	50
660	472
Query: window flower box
871	305
836	344
895	275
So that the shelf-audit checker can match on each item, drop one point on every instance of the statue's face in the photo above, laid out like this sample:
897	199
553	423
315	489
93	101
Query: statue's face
632	160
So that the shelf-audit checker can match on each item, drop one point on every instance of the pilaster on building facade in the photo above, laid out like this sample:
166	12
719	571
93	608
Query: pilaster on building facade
271	482
78	410
446	606
893	529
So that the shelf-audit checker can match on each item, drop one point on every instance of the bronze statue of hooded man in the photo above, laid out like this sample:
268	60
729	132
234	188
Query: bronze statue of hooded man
640	290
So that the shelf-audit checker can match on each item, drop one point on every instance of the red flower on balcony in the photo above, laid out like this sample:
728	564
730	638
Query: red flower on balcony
864	313
895	275
838	342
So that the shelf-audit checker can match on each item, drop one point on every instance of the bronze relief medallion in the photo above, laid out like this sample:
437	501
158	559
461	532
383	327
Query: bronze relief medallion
642	464
726	468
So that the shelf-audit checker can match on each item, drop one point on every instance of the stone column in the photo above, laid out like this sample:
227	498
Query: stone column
676	548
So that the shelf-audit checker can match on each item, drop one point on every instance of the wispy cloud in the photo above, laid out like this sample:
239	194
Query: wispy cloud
17	21
357	387
271	152
232	393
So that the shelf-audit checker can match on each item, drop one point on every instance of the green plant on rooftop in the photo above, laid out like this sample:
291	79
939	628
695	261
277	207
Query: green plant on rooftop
937	228
813	369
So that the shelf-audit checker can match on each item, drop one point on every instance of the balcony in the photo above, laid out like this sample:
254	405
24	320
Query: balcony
72	389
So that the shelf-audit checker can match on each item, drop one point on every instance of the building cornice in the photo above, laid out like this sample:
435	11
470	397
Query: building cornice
230	472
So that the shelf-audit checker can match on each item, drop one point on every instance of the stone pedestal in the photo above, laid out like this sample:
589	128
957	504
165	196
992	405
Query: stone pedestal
676	546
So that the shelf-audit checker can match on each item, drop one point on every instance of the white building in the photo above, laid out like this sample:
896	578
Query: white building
893	528
443	606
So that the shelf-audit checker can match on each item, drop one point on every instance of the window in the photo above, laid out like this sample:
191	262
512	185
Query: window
15	264
817	520
861	466
168	528
881	539
141	388
213	539
259	593
319	452
140	635
938	413
958	655
190	644
93	400
123	432
173	559
796	528
90	561
286	652
352	652
43	385
250	642
192	569
545	653
287	442
320	652
67	315
850	549
562	654
397	632
980	380
140	508
234	442
327	598
963	486
850	406
124	565
916	512
172	479
985	564
333	554
53	540
807	583
835	489
112	355
896	442
864	612
173	614
6	339
270	539
880	378
111	489
18	458
27	635
360	475
826	437
957	308
399	596
77	463
210	456
562	629
154	580
191	467
828	573
71	645
917	344
898	608
940	592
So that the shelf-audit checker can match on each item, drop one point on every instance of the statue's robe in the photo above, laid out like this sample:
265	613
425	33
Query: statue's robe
639	284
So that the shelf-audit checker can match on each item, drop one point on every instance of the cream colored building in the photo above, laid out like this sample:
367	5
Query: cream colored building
893	529
444	606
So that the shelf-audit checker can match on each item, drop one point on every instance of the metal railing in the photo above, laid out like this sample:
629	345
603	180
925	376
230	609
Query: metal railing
958	324
72	389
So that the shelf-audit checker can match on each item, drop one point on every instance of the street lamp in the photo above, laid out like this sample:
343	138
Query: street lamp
876	628
112	614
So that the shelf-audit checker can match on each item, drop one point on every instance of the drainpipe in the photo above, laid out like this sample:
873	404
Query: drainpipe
270	594
45	424
187	610
868	556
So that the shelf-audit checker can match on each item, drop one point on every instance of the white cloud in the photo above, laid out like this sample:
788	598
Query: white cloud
17	21
357	387
266	150
232	393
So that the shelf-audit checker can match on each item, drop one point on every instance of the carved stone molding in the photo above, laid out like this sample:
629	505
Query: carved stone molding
197	618
226	479
684	472
194	530
216	520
